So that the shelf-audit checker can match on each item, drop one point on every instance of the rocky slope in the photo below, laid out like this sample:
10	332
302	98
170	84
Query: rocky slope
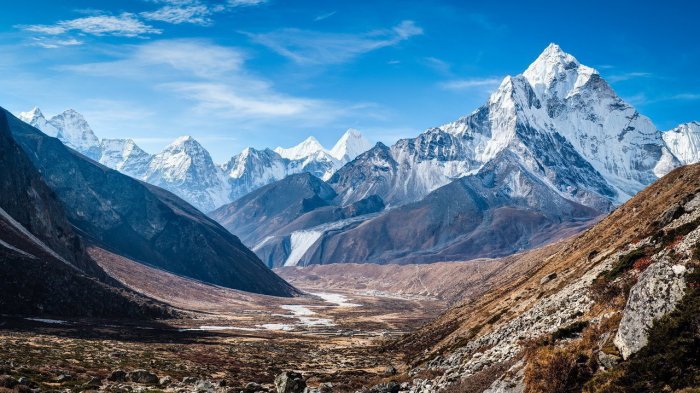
270	219
581	317
45	269
143	222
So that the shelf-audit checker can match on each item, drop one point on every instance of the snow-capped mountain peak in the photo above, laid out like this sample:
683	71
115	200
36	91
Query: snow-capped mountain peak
186	168
350	145
684	142
36	118
306	148
557	72
125	156
74	131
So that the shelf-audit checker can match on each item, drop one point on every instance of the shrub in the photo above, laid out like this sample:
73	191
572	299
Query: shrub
569	331
625	263
558	370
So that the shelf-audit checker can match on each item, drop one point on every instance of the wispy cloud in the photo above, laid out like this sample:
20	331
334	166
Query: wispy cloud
216	80
465	84
438	65
312	47
212	60
52	43
193	11
122	25
628	76
324	16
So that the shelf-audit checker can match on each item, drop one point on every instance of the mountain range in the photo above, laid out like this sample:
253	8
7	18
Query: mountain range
552	149
112	211
186	168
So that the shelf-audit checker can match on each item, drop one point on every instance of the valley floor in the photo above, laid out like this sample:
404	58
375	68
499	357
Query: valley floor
220	335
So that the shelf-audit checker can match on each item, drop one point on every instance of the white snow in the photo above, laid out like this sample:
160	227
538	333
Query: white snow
350	145
338	299
276	326
219	328
306	148
684	142
48	321
301	242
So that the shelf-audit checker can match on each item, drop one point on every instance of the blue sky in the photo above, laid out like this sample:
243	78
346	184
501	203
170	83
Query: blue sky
261	73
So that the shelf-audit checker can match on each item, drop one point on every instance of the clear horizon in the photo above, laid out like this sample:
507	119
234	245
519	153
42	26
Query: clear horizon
267	73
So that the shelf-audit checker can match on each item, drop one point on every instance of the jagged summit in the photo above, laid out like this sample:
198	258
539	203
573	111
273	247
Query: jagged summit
351	144
555	71
188	144
306	148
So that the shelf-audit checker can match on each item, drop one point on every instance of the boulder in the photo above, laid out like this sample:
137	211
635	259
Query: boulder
117	376
660	287
93	383
548	278
143	376
252	387
204	386
290	382
390	370
389	387
7	381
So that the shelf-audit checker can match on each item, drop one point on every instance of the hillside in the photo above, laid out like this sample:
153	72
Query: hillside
586	308
45	268
141	221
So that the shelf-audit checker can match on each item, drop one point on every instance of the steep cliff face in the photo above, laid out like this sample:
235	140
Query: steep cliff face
581	317
141	221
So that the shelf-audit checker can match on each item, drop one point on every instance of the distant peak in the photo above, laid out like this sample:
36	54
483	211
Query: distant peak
308	147
350	145
353	132
185	143
29	115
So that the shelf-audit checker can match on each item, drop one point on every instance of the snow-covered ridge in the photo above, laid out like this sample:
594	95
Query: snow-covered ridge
561	118
186	168
684	142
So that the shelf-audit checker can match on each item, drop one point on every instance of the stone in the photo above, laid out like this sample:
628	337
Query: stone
252	387
117	376
659	289
390	370
548	278
204	386
607	360
93	383
143	376
165	381
7	381
290	382
389	387
63	378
